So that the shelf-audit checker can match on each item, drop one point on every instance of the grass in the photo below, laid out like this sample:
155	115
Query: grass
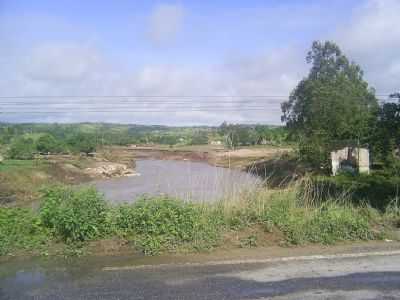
20	179
15	165
162	224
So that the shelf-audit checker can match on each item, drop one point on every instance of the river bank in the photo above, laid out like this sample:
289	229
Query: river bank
240	158
20	181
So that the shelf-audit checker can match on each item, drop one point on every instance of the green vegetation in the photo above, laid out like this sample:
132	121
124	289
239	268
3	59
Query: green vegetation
333	104
22	148
21	229
235	135
21	179
74	215
23	141
155	225
377	190
165	224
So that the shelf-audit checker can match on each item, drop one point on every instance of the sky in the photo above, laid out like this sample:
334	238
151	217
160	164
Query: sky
180	62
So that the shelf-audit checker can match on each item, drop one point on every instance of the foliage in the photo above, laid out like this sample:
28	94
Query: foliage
22	148
386	137
333	103
325	224
48	144
376	190
392	212
20	229
82	142
73	214
243	135
199	138
164	223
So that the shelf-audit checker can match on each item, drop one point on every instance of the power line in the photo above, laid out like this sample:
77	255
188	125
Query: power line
138	111
153	96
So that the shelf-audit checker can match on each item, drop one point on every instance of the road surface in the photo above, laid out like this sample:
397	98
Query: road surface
374	275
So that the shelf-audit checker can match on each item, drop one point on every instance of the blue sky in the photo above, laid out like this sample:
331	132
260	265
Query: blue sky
184	48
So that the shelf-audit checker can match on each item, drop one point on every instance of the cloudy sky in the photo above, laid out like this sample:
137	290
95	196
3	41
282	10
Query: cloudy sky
181	62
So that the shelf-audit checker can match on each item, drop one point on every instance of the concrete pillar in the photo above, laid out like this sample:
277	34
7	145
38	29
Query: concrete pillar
363	160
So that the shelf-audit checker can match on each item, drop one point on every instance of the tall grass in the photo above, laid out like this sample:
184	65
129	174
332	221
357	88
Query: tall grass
157	224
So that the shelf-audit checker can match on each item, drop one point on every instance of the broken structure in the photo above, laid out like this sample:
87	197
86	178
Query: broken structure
350	159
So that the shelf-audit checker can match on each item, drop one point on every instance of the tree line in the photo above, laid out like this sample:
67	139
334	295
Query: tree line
23	141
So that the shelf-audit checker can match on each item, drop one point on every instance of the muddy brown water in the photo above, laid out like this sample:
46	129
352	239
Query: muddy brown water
187	180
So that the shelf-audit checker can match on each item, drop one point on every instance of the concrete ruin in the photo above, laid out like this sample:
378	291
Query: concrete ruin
350	159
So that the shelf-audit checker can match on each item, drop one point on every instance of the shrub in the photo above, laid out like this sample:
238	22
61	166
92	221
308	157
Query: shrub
74	214
20	229
163	223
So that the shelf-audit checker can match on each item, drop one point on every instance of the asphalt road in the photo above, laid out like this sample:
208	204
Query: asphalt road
367	277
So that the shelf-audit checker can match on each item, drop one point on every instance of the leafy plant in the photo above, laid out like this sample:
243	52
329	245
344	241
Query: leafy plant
74	214
20	229
164	223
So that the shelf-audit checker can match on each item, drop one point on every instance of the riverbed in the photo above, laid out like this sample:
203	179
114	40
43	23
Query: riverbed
187	180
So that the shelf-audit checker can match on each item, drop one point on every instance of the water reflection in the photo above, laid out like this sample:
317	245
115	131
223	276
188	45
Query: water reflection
197	181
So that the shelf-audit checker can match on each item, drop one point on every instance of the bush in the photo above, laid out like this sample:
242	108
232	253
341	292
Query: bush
20	229
163	223
74	214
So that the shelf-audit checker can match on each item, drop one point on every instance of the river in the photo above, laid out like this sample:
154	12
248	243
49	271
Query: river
187	180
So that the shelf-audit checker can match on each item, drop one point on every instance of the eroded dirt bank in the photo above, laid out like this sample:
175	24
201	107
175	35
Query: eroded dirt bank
215	155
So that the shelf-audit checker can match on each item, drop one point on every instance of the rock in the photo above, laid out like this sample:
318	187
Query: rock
1	158
108	170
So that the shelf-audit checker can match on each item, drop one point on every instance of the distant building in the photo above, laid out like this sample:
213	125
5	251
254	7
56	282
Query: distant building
350	159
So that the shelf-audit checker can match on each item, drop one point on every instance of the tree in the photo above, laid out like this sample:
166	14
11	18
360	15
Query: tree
199	138
22	148
82	142
332	104
387	132
48	144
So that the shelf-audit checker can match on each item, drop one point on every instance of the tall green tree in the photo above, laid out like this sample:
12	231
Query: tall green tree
332	104
48	144
386	137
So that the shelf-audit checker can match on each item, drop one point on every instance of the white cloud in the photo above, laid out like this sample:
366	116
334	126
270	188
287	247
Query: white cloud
61	62
71	69
372	38
166	22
